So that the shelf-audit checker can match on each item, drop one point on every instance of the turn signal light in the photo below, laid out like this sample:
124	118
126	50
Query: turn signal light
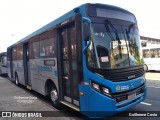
81	93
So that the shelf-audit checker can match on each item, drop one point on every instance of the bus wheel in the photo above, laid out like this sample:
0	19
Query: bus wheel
16	80
55	98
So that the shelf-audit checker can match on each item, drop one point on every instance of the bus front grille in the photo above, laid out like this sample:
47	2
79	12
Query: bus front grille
121	74
125	75
120	97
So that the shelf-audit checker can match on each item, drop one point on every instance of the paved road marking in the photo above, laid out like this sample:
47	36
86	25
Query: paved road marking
144	103
153	86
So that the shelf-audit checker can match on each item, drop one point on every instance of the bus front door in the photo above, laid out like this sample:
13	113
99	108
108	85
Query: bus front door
26	63
10	52
68	62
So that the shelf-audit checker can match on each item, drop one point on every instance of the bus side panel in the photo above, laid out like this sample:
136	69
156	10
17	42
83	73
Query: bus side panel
14	68
152	63
40	73
20	71
9	62
9	69
0	67
36	77
3	70
3	64
53	74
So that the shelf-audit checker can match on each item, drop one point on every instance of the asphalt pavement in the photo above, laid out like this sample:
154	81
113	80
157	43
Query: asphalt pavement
13	98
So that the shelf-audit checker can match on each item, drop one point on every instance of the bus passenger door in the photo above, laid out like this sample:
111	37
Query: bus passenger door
26	63
68	64
10	60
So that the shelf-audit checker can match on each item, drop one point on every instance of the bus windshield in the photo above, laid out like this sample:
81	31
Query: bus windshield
114	46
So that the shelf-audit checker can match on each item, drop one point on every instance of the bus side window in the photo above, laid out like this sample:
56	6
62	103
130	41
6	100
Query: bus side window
48	44
146	53
14	54
20	52
153	53
34	47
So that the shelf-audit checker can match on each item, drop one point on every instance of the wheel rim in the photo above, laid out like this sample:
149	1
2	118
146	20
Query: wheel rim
54	96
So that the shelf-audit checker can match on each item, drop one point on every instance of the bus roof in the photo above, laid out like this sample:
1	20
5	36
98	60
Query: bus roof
53	24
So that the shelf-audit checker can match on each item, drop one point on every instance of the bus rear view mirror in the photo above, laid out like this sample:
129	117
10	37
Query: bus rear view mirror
86	31
145	68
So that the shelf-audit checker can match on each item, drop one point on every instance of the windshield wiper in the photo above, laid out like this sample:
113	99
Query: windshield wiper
117	37
129	30
128	36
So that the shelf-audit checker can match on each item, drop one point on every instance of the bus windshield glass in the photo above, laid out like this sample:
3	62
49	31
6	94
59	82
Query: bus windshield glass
114	46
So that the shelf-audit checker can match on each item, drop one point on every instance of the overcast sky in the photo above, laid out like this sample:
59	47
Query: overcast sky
18	18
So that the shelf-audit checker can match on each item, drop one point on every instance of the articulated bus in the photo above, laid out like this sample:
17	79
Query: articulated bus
89	59
151	56
3	63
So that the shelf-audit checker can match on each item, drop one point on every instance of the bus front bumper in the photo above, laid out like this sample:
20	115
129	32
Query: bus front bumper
96	105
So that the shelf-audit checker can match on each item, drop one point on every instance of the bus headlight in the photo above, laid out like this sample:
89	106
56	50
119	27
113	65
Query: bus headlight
100	88
95	86
106	91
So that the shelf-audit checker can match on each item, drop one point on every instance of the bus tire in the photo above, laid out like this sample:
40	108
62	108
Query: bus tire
16	80
54	96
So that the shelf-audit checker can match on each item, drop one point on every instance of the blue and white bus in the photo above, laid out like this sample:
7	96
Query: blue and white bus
151	55
3	63
89	59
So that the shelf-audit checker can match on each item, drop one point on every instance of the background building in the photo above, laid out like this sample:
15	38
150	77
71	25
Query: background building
145	41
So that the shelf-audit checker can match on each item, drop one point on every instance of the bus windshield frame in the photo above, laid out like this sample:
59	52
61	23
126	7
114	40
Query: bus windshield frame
114	46
112	12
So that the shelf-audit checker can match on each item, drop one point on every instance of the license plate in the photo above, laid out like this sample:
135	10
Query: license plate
130	96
